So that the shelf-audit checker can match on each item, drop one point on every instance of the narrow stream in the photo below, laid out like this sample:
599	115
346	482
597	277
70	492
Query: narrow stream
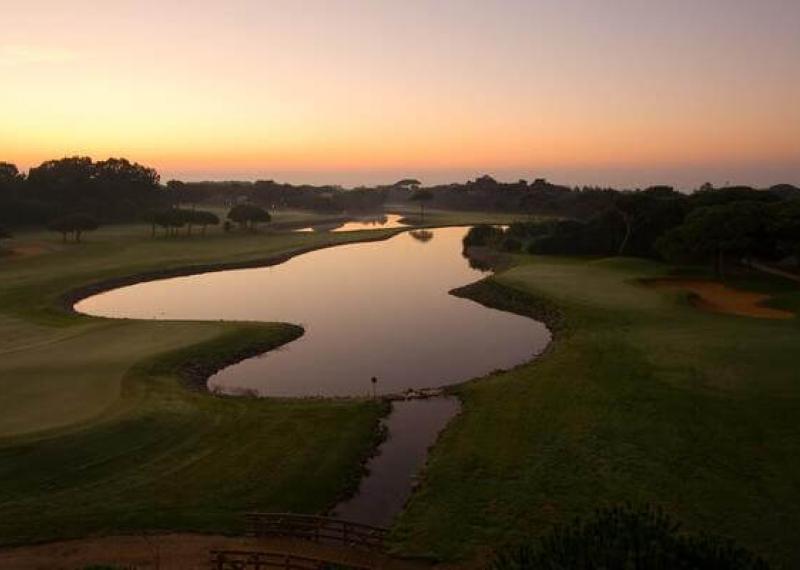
413	427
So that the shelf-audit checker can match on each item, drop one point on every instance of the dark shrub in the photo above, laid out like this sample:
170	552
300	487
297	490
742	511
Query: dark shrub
599	236
526	230
623	538
483	235
512	245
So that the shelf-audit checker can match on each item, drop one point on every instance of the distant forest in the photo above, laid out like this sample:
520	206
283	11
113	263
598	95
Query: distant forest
651	222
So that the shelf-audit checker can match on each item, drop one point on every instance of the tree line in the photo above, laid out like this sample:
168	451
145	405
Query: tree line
76	195
711	225
112	190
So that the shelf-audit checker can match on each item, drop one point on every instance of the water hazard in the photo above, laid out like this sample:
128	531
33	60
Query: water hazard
382	222
379	309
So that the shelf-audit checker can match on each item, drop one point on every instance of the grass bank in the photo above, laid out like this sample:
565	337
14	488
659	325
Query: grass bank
641	398
99	433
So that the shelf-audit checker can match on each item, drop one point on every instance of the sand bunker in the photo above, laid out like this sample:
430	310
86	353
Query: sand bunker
719	298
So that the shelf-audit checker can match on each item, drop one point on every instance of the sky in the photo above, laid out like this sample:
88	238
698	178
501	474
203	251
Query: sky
609	92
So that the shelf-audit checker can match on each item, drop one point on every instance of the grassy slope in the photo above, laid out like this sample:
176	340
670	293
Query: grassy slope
98	434
44	349
641	398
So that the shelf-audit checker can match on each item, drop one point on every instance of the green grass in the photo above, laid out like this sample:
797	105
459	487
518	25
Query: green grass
98	432
176	459
640	398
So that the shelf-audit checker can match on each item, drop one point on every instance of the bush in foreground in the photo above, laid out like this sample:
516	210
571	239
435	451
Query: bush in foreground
623	538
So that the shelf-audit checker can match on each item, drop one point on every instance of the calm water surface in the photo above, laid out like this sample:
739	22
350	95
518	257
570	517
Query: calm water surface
413	427
371	309
382	222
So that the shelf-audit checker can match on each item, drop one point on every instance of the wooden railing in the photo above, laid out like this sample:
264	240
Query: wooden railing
246	560
315	528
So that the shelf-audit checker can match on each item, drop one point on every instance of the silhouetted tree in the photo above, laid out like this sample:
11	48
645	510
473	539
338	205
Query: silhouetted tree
786	227
152	218
422	196
632	208
111	190
169	219
407	184
10	178
188	217
484	183
786	191
646	215
172	219
75	224
716	232
204	219
483	235
601	235
121	188
175	189
248	216
10	182
66	182
718	196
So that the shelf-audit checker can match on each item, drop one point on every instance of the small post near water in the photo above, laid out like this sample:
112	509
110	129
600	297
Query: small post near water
374	381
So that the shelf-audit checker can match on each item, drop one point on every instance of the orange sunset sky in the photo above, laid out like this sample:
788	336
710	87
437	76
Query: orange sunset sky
622	92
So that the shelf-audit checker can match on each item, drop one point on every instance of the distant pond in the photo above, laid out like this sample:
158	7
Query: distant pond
378	309
379	222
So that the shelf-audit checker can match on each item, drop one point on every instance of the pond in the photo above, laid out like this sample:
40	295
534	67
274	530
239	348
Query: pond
382	222
378	309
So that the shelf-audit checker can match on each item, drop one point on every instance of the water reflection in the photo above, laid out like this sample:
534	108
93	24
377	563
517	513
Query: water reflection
375	222
371	309
421	235
413	427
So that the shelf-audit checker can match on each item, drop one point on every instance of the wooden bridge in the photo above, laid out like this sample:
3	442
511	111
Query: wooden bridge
363	544
316	529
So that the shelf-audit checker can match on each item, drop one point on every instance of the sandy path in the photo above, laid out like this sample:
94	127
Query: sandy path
176	551
720	298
